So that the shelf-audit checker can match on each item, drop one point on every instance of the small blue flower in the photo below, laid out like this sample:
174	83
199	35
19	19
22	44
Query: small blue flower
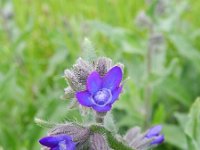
58	142
154	133
101	92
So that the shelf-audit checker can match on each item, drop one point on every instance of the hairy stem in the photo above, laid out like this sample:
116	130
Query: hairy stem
100	117
44	124
148	88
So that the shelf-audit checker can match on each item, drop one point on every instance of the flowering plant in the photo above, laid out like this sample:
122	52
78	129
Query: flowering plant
95	86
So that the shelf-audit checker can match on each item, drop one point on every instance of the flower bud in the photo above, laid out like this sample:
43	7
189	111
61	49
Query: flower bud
143	21
81	70
78	133
98	142
69	93
73	81
146	140
103	64
132	133
161	7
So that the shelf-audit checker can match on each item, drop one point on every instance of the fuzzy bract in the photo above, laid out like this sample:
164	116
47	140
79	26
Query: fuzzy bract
101	92
58	142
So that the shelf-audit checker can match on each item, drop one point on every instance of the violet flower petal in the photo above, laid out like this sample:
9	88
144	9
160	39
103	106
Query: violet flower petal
154	131
113	78
94	82
102	108
158	140
52	141
71	146
84	98
66	145
115	94
55	148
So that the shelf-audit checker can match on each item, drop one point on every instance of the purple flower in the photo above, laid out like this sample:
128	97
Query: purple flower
58	142
154	133
101	92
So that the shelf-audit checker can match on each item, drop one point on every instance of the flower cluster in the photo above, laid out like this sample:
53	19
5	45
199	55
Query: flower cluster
97	85
76	77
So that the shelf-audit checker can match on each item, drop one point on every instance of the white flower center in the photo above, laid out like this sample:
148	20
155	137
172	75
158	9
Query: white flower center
62	145
102	97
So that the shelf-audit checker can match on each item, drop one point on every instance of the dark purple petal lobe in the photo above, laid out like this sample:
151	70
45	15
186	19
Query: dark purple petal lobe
71	146
94	82
55	148
51	141
154	131
84	98
102	108
113	78
158	139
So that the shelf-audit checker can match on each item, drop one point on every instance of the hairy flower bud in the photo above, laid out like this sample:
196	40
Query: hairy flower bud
69	93
7	11
98	142
161	7
144	141
81	70
73	81
102	65
78	133
133	132
143	21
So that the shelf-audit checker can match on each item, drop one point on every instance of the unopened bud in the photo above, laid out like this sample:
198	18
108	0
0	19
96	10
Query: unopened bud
161	7
143	21
98	142
73	81
81	70
131	134
69	93
103	64
78	133
140	141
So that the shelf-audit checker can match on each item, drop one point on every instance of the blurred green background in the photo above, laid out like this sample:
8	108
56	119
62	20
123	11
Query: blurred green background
157	40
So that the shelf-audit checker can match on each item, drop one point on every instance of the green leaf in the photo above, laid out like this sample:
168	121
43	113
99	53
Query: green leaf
186	49
191	125
175	136
192	128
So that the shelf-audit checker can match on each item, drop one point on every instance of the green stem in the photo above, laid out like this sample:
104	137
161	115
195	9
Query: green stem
44	124
112	141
